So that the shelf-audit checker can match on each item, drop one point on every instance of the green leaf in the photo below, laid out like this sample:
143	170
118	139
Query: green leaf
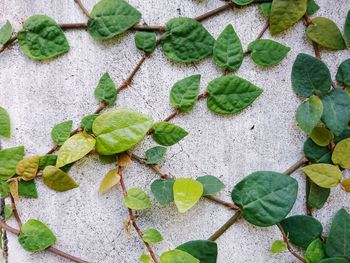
5	33
187	193
9	159
61	132
309	113
265	9
285	13
145	258
108	158
28	167
146	41
184	93
151	235
228	51
315	153
75	148
326	33
111	179
27	189
46	160
302	230
155	154
167	134
118	131
87	121
310	76
341	154
344	135
347	28
333	260
41	38
5	123
336	110
105	90
204	250
265	198
324	175
266	52
186	40
35	236
8	211
343	73
315	251
338	241
4	189
137	199
312	7
177	256
163	190
58	180
242	2
231	94
110	18
317	196
211	184
278	246
321	136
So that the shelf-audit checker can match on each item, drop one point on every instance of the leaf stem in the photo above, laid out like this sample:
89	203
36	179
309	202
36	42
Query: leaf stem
83	8
15	211
308	21
296	166
225	226
214	11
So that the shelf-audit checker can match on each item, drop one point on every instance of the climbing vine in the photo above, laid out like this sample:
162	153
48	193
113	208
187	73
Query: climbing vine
263	198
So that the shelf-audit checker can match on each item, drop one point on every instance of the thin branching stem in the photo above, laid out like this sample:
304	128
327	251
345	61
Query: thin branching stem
233	219
289	246
296	166
15	211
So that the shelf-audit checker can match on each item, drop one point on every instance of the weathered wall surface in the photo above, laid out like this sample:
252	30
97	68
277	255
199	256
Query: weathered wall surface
39	95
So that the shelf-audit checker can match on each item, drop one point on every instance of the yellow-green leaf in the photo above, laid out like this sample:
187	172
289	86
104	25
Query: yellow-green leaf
177	256
151	235
28	167
144	258
137	199
58	180
324	175
187	192
9	159
321	136
341	154
346	184
278	246
111	179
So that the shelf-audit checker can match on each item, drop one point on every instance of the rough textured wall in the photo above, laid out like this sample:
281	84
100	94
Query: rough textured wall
39	95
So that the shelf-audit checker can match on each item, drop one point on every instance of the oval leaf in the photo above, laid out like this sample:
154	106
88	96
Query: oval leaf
184	93
163	190
177	256
278	246
187	193
155	154
58	180
211	184
309	113
341	154
146	41
5	33
321	136
9	159
316	153
137	199
324	175
151	235
28	167
105	90
343	73
317	196
61	132
5	123
167	134
315	252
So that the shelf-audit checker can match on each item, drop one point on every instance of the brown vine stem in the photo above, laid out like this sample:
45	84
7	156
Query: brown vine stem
3	232
296	166
214	11
15	211
132	218
225	226
82	7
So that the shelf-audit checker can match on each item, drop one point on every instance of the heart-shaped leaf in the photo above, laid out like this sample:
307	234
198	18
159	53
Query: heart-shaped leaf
309	113
184	93
155	154
278	247
111	179
9	159
61	132
58	180
211	184
105	90
187	193
146	41
167	134
151	235
316	153
177	256
341	154
87	121
163	190
343	73
27	189
324	175
204	250
321	136
315	251
317	196
137	199
28	167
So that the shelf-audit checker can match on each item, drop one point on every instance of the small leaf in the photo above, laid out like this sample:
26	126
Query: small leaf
146	41
35	236
211	184
228	51
204	250
186	40
151	235
27	189
312	7
167	134
124	159
184	93
177	256
14	189
285	13
61	132
265	9
111	179
346	184
341	154
315	153
242	2
75	148
9	159
41	38
163	190
108	158
145	258
105	90
4	189
155	154
137	199
187	193
28	167
324	175
326	33
315	252
46	160
266	52
5	33
110	18
278	246
343	73
309	113
58	180
87	121
5	123
321	136
317	196
231	94
310	76
8	211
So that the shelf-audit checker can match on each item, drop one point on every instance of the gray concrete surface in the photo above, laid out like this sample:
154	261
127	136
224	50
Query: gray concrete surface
39	95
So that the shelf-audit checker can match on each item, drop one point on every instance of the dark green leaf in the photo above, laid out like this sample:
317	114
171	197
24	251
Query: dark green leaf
333	260
211	184
9	159
309	113
343	73
163	190
47	160
315	251
155	154
27	189
5	33
105	90
204	250
344	135
167	134
5	123
347	28
317	196
87	121
184	93
146	41
58	180
108	158
265	9
315	153
61	132
312	7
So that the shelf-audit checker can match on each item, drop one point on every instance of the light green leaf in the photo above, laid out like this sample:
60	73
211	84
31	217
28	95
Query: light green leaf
310	76
4	189
341	154
58	180
265	198
27	189
61	132
324	175
145	258
326	33
137	199
177	256
41	38
211	184
231	94
151	235
155	154
8	211
312	7
321	136
228	51
343	73
146	41
167	134
111	179
309	113
317	196
242	2
186	40
35	236
184	93
28	167
46	160
9	159
187	193
110	18
278	246
118	131
5	123
266	52
163	190
87	121
285	13
315	251
75	148
5	33
105	90
265	9
204	250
